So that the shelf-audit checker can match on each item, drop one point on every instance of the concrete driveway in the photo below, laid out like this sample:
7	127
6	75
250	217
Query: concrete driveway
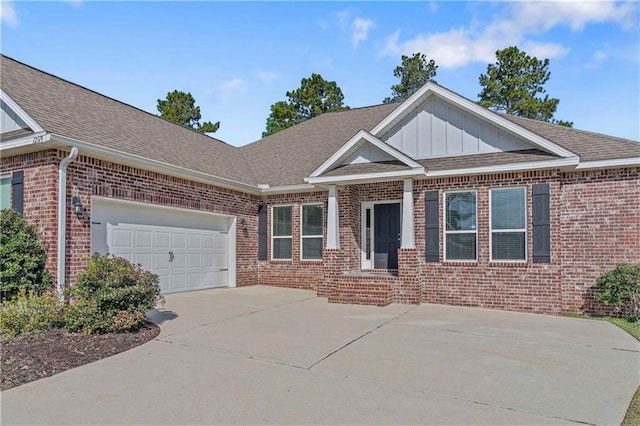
269	355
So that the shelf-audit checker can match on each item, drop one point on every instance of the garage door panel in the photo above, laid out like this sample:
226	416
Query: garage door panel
144	259
184	259
143	239
121	238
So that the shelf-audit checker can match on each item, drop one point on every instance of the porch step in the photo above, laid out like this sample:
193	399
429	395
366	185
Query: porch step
355	290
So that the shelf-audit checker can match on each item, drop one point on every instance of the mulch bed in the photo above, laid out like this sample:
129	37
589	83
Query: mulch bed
32	357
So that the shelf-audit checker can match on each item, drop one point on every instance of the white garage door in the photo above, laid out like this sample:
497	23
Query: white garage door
184	259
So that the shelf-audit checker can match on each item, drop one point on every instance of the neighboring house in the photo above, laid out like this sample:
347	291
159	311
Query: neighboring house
433	200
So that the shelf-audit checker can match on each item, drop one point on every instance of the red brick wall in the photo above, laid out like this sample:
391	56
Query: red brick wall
600	227
295	273
528	286
89	176
595	223
40	195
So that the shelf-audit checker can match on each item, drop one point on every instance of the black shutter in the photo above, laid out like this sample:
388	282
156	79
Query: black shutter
541	224
432	226
263	234
17	191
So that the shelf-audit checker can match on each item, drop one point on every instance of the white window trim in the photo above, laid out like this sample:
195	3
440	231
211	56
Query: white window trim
491	230
281	236
444	226
364	262
302	236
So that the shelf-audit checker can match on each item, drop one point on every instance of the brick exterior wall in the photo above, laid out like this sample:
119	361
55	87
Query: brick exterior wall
40	196
595	223
295	273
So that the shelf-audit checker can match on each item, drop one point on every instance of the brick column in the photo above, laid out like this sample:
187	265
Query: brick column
408	290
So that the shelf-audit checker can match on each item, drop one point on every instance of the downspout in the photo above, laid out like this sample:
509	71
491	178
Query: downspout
62	218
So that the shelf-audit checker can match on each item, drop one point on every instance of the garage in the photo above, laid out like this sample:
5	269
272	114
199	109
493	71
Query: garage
188	250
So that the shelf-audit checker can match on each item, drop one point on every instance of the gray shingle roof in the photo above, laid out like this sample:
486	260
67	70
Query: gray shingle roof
284	158
589	146
73	111
287	157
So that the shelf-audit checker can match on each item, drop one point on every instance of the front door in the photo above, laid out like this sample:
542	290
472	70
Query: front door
386	235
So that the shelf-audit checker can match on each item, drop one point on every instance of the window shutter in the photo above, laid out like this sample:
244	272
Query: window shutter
262	232
432	226
17	191
541	224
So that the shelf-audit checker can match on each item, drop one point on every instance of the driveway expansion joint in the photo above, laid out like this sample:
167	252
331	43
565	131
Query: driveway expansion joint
361	336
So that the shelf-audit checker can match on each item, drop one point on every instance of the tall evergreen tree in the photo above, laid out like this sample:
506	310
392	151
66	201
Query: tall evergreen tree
414	72
515	85
315	96
180	107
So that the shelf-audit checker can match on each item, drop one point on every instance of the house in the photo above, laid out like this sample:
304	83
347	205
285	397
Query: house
432	200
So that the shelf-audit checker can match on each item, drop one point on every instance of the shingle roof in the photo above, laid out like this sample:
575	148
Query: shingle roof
287	157
589	146
66	109
284	158
489	159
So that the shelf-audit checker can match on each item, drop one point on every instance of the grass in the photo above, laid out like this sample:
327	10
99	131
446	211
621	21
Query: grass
632	418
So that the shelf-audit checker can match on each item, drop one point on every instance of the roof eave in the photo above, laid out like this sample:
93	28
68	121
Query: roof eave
149	164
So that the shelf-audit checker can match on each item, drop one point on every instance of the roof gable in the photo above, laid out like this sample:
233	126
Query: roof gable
363	147
13	118
435	122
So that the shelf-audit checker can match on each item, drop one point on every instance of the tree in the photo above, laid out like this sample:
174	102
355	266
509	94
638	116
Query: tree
414	73
315	96
515	85
180	108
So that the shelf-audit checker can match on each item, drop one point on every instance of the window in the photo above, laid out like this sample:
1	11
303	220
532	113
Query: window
5	192
460	232
509	224
281	237
311	232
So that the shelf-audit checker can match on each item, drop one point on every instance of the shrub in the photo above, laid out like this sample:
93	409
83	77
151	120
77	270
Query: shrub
28	313
111	295
22	257
621	288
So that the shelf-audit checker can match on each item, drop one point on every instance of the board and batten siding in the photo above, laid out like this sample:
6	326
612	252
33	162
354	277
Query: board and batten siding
438	129
9	120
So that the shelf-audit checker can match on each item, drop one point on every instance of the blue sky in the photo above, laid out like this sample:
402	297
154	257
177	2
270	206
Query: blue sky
238	58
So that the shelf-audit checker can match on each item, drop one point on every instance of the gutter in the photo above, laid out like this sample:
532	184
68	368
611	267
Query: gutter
62	219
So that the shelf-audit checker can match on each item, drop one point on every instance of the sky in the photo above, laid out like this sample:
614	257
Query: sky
239	58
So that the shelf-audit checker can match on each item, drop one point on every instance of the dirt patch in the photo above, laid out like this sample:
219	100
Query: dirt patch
32	357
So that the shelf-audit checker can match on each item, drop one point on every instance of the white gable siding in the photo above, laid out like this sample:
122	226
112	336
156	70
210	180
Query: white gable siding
9	120
367	154
437	129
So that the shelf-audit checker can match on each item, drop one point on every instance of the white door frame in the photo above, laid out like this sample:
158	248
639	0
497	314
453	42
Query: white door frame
364	262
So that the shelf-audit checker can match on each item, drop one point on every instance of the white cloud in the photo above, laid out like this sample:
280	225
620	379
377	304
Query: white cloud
231	87
599	56
478	43
267	76
360	28
8	13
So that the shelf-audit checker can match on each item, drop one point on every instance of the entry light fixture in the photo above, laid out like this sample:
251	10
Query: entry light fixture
243	222
78	208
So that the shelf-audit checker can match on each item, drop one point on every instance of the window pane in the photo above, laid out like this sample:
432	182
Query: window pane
508	246
311	248
461	246
508	208
282	248
282	221
5	192
312	219
461	211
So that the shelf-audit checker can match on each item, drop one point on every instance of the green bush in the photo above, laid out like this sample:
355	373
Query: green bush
22	257
29	313
621	288
111	295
